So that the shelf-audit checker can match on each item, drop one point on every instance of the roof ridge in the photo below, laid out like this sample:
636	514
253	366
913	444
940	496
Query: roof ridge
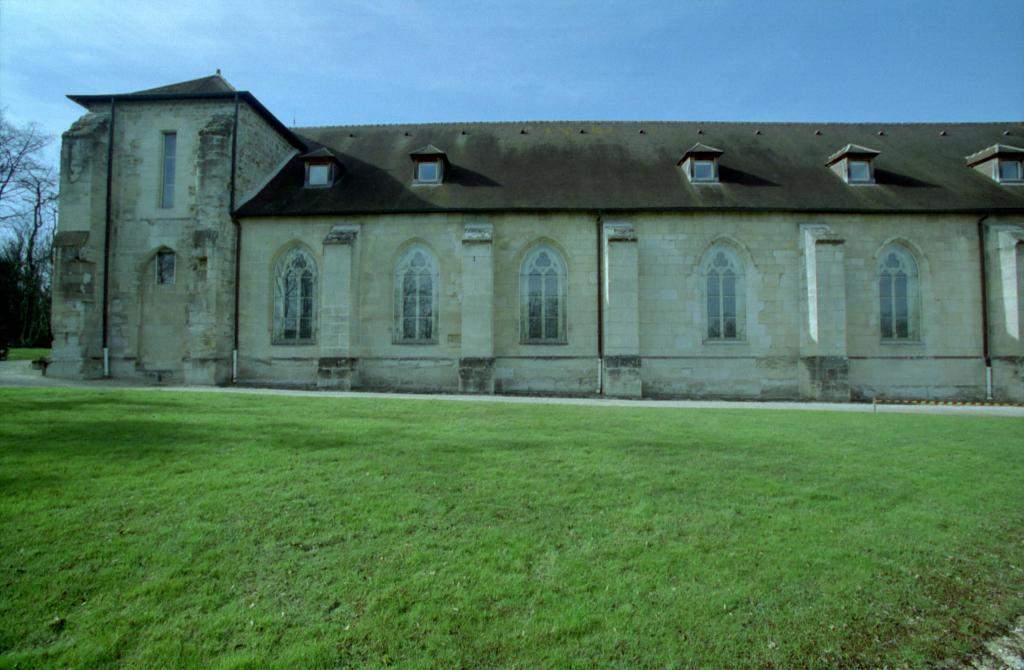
663	121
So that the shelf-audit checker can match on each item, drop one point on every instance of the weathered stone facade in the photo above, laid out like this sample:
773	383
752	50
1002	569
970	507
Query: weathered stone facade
634	309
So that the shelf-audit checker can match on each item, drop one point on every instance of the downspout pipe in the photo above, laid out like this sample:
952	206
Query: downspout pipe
238	247
600	303
106	243
983	265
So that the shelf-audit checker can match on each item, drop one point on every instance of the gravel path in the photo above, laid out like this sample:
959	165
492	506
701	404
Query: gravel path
21	374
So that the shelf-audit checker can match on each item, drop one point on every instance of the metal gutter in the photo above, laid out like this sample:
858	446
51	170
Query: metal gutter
238	245
600	304
983	268
106	241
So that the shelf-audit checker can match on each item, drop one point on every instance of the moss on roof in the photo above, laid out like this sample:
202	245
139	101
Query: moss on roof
615	166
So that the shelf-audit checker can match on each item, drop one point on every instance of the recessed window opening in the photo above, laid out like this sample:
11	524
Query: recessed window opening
723	276
859	171
165	267
1010	170
295	298
427	171
170	149
897	294
543	296
416	280
319	174
703	170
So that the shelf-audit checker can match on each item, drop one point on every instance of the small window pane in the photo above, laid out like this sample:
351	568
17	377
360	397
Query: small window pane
860	171
1009	171
703	171
714	329
165	267
170	149
426	171
534	306
319	175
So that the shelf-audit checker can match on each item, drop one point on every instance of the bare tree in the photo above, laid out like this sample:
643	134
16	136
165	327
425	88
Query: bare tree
19	154
28	216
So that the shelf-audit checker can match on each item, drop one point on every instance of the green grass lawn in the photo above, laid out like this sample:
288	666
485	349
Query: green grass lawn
27	354
159	529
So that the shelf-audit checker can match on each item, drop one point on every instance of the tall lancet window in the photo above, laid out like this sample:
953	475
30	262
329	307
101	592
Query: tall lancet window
723	280
295	298
898	295
543	296
416	281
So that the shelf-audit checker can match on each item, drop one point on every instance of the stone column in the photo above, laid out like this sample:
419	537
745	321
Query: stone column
207	265
476	364
337	367
824	362
620	296
76	316
1006	321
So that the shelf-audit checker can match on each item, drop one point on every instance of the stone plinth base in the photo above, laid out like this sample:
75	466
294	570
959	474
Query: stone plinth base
825	378
339	374
476	375
622	377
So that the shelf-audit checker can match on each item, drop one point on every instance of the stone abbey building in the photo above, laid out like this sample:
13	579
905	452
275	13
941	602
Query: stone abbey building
201	241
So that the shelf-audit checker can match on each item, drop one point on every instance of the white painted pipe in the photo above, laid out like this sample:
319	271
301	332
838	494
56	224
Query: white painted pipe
106	362
988	382
234	366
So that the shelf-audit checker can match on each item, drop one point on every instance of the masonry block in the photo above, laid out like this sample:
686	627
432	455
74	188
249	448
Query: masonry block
476	375
338	374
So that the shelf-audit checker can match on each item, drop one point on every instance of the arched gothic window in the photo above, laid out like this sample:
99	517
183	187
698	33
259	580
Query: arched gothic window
416	296
542	289
295	298
898	294
723	287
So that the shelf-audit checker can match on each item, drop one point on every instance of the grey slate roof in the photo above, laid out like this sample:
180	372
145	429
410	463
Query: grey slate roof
215	83
613	166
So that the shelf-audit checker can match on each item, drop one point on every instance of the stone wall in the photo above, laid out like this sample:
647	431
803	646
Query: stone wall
177	332
261	152
810	325
78	249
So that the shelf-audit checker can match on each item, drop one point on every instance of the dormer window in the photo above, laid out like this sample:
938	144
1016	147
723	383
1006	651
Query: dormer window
1009	170
429	165
322	168
428	172
859	171
703	170
1001	162
854	164
700	164
318	174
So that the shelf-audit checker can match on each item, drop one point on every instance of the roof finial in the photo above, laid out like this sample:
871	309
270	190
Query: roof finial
218	72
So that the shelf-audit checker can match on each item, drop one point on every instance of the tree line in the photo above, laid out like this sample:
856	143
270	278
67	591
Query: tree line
28	220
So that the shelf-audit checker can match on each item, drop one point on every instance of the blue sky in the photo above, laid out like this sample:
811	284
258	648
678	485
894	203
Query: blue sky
383	61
